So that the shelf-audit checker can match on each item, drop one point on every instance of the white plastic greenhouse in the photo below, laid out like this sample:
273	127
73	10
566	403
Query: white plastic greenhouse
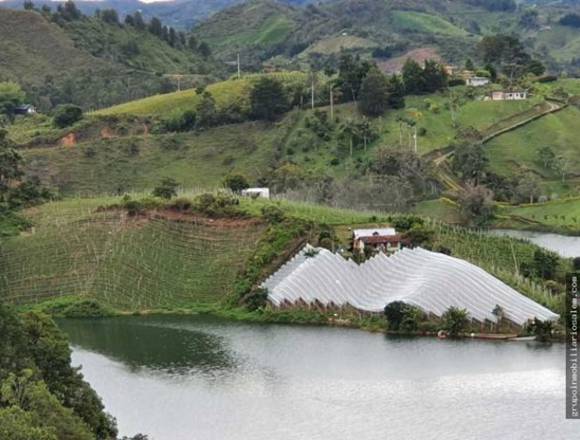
428	280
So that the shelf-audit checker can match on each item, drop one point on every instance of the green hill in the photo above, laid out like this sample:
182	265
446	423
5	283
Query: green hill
90	62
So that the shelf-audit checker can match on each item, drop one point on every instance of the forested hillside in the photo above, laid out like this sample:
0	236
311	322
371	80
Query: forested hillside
265	30
65	57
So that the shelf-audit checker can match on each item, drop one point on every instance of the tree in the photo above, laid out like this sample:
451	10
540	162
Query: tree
374	94
528	187
28	5
547	156
69	11
17	424
469	64
560	165
204	49
156	27
138	21
413	77
206	110
470	161
167	189
236	183
268	99
11	96
396	90
110	16
535	67
66	115
351	72
455	321
477	205
545	264
349	131
434	77
10	161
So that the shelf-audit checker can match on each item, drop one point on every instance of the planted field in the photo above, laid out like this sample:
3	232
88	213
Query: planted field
125	263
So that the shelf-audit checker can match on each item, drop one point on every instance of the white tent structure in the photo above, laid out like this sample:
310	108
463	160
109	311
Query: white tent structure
428	280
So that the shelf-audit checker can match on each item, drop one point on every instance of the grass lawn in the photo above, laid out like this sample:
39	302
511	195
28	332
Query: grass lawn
517	150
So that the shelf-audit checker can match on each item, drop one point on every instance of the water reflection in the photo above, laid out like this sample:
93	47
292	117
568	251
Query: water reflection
183	378
158	344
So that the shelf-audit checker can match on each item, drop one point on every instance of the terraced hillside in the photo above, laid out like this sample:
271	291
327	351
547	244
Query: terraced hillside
148	262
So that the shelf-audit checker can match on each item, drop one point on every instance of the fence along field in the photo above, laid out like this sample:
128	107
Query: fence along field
126	263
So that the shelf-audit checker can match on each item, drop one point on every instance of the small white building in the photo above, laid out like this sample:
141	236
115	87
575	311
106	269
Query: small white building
509	96
380	240
477	81
256	193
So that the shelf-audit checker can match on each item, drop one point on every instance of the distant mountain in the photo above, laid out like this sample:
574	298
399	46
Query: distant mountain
182	14
267	30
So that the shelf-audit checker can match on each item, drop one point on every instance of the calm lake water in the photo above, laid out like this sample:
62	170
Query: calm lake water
566	246
200	378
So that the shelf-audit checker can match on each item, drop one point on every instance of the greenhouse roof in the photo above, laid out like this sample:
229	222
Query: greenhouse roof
428	280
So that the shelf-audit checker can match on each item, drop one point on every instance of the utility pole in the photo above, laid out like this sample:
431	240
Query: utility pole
331	103
239	68
312	92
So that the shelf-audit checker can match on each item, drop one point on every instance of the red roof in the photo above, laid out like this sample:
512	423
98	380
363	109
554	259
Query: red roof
381	239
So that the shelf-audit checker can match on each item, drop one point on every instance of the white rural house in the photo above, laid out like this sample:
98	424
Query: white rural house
509	96
380	240
477	81
256	193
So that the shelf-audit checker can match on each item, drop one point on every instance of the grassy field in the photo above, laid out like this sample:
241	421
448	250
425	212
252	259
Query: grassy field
515	151
140	162
226	94
558	215
336	44
425	23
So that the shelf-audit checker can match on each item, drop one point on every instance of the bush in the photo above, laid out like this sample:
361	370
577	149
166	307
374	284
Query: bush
66	115
166	189
256	299
181	205
88	308
402	317
220	205
455	321
273	214
236	183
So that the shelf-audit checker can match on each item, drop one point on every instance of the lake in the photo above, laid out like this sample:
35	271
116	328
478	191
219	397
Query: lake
566	246
190	378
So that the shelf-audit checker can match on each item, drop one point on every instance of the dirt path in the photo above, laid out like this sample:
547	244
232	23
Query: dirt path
441	161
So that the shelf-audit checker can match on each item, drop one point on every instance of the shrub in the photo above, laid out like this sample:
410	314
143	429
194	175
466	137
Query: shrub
273	214
166	189
257	299
236	183
220	205
66	115
455	321
88	308
181	204
402	316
